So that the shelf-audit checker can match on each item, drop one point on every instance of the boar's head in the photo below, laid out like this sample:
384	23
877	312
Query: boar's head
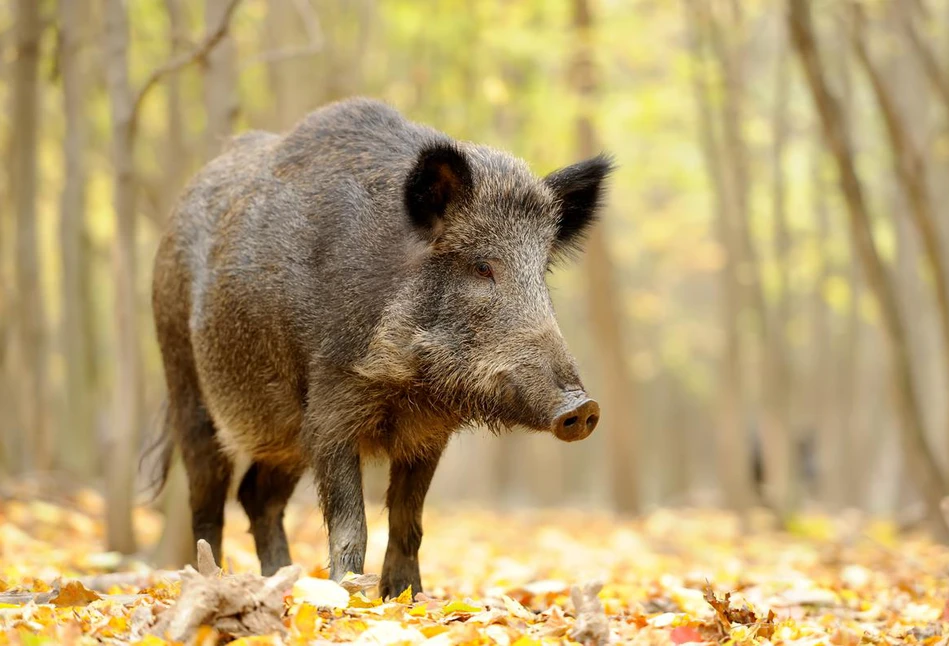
484	338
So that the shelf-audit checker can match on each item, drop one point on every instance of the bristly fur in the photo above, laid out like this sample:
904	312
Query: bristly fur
162	444
579	189
320	296
440	177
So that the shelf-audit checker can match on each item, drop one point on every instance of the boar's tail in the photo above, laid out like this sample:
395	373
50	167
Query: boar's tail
163	448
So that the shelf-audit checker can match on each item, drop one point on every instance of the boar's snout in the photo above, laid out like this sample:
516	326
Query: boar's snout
577	418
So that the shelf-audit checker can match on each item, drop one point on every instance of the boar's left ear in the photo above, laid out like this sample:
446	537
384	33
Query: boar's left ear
440	177
579	190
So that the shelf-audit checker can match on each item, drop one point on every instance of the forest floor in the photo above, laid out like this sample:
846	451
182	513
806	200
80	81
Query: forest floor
670	577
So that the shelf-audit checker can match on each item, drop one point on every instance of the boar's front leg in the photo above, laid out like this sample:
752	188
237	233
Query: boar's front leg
339	472
408	485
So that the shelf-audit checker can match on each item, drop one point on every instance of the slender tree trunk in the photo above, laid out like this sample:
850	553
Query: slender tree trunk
929	477
733	457
831	437
77	445
777	443
781	383
177	157
282	28
127	402
176	546
854	433
31	328
911	174
618	388
220	83
935	73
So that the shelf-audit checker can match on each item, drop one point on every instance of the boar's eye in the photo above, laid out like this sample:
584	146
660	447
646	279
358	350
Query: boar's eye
484	269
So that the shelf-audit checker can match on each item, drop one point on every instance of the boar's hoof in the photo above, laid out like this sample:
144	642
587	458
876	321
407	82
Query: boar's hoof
577	422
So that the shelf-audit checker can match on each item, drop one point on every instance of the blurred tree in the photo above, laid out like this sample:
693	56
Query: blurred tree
32	400
938	75
911	173
127	393
607	319
220	82
733	457
929	478
176	546
777	441
77	449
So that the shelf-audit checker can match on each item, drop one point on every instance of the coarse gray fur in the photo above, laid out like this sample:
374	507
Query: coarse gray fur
362	285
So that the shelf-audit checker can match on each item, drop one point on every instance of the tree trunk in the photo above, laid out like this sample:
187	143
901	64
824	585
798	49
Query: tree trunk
127	402
175	548
777	443
177	158
733	457
607	318
831	436
911	175
854	360
77	442
31	323
220	83
780	385
930	479
935	73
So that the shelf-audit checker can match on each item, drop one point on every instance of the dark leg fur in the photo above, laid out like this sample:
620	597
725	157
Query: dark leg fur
190	424
408	485
339	474
209	474
264	493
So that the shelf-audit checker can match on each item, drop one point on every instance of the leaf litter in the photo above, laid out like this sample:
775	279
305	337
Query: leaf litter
526	579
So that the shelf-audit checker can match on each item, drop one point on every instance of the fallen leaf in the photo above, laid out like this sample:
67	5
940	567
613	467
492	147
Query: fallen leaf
74	594
322	593
728	616
685	635
405	597
460	607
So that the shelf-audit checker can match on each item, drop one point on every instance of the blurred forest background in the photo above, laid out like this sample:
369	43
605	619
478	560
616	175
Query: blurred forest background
763	313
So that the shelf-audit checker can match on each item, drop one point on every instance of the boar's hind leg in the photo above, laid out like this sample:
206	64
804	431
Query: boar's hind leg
208	468
264	492
408	485
339	473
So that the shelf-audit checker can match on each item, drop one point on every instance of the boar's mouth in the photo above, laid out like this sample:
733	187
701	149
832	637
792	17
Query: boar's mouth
570	415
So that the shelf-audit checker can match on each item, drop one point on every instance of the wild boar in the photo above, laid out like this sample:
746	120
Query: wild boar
361	285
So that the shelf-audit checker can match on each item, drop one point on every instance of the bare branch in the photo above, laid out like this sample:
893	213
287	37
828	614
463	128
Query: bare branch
311	22
177	63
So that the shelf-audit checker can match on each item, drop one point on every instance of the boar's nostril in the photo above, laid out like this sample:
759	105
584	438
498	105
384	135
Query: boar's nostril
578	421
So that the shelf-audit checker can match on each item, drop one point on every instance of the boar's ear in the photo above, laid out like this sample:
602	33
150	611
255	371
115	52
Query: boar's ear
579	190
440	177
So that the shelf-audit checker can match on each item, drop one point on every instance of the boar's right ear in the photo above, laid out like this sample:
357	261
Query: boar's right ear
440	177
579	190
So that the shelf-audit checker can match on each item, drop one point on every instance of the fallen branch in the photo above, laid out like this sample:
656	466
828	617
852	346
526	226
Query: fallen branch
593	626
237	605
